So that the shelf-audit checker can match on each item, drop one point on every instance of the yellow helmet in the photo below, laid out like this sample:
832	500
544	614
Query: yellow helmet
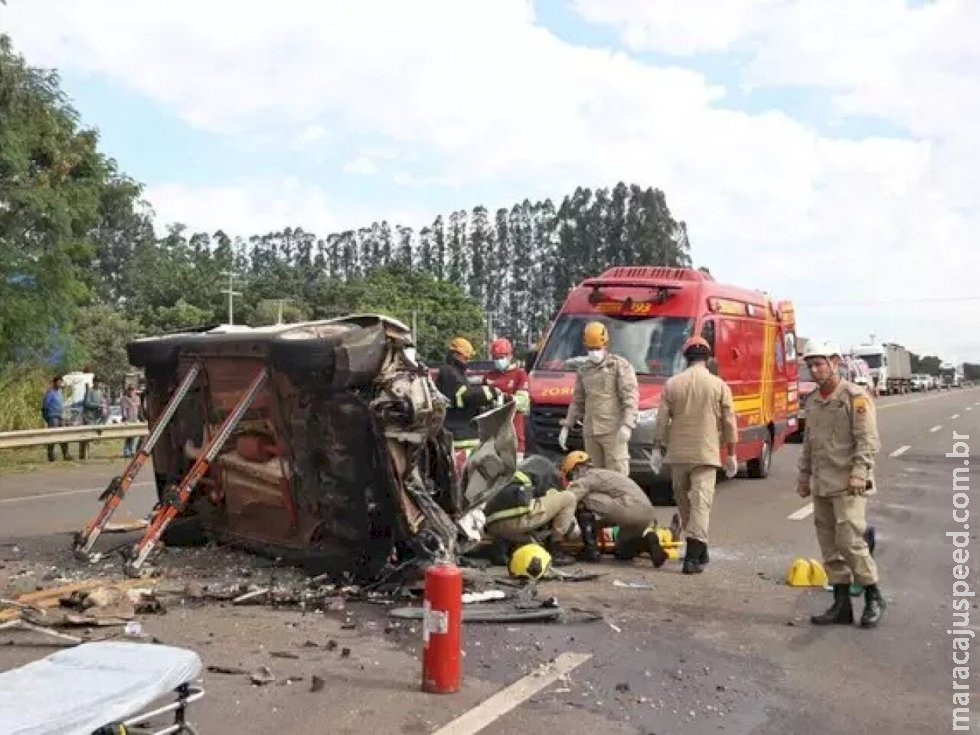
595	336
573	460
462	346
530	560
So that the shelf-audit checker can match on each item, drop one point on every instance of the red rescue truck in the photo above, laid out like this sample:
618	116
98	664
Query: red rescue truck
650	312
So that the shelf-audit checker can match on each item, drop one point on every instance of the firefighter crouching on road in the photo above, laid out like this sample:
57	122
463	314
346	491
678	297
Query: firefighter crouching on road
608	498
606	397
840	444
466	401
697	408
531	502
512	380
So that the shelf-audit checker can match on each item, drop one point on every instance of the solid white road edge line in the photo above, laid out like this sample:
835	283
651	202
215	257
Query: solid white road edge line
492	709
802	513
935	428
900	451
63	493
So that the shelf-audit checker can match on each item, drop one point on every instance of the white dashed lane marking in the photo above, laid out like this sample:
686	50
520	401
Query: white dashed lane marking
802	513
492	709
934	429
900	451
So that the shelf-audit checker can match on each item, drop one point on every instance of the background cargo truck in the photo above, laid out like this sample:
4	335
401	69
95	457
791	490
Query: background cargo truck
890	365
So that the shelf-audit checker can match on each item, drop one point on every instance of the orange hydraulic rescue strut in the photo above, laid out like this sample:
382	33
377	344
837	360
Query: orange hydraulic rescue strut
171	506
119	486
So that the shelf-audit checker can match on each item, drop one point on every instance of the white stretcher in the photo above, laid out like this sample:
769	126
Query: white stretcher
95	685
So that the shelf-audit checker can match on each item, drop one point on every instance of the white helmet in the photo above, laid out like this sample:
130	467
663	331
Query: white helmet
821	349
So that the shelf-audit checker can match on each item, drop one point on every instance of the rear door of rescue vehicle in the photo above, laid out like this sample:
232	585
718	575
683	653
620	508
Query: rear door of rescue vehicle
650	312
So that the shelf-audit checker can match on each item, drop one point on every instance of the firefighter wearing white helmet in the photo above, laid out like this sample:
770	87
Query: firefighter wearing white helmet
840	444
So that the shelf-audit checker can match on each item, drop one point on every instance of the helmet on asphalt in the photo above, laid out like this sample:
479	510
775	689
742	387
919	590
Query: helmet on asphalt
696	347
821	349
501	347
462	347
530	560
595	336
573	460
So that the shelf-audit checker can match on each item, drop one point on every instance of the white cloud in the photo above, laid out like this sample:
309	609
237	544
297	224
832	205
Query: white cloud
361	166
477	95
251	207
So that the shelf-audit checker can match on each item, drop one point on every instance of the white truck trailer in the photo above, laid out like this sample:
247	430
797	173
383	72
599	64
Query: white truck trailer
890	365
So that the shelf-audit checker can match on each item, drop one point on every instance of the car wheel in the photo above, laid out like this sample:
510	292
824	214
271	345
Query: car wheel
159	354
760	467
305	356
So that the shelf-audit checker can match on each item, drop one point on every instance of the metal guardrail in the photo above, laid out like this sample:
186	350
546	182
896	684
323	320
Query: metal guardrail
92	432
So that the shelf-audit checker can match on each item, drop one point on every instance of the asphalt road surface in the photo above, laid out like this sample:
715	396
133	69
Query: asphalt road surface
731	650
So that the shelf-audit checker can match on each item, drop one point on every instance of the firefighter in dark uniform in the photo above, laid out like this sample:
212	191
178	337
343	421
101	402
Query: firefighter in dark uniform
532	504
466	401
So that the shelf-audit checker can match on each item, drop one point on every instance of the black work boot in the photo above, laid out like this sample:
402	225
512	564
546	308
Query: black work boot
657	552
841	612
704	554
590	540
692	557
874	606
559	558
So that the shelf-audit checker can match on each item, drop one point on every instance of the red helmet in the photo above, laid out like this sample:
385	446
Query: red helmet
501	348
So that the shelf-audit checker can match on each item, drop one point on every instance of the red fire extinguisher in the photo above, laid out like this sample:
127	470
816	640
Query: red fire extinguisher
441	625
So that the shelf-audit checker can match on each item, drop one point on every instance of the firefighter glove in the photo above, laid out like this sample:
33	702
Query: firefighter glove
657	460
731	466
563	438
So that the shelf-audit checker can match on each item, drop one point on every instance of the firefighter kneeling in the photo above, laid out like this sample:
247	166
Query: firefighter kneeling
609	498
530	503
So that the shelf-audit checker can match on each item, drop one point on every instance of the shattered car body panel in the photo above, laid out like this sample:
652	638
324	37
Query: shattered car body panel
342	460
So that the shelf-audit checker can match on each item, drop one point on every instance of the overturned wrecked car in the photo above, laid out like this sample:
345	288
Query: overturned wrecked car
321	443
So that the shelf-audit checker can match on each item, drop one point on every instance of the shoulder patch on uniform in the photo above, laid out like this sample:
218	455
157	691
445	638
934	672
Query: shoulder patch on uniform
860	404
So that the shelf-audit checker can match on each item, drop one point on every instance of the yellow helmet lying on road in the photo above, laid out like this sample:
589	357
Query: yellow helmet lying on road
573	460
530	560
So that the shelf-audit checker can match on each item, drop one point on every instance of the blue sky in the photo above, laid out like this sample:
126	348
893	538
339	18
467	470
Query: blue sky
792	136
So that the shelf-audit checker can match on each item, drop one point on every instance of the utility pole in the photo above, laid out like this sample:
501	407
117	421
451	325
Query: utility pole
489	334
232	293
415	328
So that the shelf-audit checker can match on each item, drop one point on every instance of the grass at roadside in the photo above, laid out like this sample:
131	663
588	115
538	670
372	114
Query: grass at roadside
29	459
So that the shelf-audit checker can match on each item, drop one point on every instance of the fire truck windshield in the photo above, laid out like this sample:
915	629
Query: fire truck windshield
874	361
652	345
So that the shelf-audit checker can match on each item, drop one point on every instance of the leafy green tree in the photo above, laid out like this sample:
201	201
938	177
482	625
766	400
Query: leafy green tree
103	333
53	183
441	309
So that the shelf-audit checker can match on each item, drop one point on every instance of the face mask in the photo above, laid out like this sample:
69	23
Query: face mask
501	363
597	356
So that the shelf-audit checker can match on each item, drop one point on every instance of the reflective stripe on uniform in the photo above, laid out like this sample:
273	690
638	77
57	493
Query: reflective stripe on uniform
502	515
466	443
461	395
522	478
522	399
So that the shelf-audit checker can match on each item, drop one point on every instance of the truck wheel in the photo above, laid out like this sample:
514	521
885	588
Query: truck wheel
759	468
